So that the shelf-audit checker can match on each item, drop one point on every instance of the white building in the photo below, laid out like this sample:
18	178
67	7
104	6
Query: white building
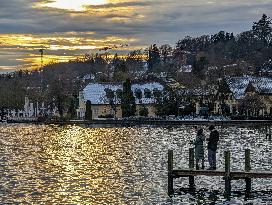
100	104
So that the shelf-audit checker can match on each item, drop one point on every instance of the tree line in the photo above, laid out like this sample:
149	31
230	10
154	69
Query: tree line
57	84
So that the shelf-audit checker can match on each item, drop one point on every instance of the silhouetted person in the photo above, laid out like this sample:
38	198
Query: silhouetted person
212	147
199	148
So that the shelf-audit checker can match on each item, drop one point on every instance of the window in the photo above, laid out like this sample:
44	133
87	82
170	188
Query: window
95	111
147	93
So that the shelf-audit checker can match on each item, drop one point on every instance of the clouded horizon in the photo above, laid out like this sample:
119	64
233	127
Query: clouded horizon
70	28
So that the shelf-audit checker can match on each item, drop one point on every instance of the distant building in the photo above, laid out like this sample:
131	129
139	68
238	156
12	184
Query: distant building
248	96
101	107
251	96
31	110
199	98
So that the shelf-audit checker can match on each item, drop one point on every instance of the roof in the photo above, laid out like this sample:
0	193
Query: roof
267	67
186	69
194	92
95	92
266	70
238	85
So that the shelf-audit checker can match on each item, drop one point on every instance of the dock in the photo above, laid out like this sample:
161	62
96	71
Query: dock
227	174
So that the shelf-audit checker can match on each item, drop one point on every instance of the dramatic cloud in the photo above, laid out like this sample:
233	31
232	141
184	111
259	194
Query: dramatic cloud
68	28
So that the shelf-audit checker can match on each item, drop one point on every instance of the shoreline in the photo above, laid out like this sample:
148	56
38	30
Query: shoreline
135	122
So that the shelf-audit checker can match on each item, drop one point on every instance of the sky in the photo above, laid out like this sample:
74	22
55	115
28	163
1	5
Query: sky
66	29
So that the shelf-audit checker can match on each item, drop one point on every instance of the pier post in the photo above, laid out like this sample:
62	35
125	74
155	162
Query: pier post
227	175
192	166
170	173
266	132
247	169
269	135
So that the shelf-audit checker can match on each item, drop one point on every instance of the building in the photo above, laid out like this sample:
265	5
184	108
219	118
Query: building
31	110
102	105
247	96
250	96
198	98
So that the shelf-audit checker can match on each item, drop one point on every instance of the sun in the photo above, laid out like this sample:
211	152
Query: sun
76	5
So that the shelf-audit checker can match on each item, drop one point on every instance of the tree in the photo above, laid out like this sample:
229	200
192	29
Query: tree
119	94
128	104
154	59
120	71
115	61
100	64
110	95
138	95
157	93
72	108
89	112
200	65
166	54
187	109
134	61
262	29
58	94
143	112
166	103
12	93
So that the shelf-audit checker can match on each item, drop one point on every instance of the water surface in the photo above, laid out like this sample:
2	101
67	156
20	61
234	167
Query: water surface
42	164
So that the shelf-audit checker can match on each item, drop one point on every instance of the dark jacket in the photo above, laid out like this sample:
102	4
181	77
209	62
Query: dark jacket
213	140
199	149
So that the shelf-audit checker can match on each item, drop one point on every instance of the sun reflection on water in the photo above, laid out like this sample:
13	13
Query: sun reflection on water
76	165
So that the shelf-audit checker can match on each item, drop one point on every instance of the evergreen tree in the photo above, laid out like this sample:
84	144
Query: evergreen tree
128	104
153	57
110	95
89	112
120	71
119	94
72	108
262	29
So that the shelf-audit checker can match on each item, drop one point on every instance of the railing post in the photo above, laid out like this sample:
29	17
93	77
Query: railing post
170	173
191	166
247	169
227	175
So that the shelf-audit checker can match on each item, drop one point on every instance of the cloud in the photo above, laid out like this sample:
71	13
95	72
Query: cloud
137	22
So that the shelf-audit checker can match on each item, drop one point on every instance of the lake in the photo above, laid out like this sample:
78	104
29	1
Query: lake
48	164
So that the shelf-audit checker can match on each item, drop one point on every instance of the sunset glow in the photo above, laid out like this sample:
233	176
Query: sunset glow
59	47
75	27
77	5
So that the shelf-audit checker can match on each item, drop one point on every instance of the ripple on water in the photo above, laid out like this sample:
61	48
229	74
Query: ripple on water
74	165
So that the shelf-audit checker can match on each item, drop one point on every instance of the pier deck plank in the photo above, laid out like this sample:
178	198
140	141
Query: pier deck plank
233	174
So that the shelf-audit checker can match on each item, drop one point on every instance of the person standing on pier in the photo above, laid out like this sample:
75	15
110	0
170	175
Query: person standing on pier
212	147
199	148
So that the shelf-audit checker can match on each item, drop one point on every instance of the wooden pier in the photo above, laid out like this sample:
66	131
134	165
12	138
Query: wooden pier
227	174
